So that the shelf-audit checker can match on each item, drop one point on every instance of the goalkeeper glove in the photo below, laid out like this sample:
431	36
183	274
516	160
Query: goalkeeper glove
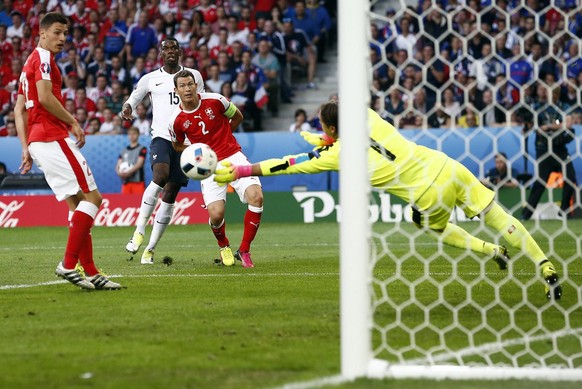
317	139
229	172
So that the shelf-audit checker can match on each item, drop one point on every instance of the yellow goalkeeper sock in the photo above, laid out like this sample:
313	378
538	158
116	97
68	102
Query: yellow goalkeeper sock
514	232
455	236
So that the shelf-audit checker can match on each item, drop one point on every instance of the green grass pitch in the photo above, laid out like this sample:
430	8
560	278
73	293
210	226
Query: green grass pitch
192	324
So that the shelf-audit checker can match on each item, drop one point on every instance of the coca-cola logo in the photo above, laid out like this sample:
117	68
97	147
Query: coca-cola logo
7	210
127	216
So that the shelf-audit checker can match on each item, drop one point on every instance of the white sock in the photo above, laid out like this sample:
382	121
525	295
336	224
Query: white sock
161	221
148	204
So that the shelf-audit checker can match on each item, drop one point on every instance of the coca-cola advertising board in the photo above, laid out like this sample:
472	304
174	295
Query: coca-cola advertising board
116	210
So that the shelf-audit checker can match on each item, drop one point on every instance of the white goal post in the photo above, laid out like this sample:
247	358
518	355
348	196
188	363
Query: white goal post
523	351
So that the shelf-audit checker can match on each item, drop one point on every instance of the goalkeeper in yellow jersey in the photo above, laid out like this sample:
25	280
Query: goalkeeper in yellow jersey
427	179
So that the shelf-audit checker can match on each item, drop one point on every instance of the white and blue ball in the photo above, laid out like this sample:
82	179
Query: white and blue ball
198	161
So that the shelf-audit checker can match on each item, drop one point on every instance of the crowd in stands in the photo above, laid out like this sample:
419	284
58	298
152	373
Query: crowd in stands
450	63
244	48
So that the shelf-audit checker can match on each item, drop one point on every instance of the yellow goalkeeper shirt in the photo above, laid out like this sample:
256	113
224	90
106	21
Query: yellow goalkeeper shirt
395	164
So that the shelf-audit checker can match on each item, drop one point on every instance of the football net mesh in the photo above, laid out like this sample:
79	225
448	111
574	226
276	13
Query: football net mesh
434	305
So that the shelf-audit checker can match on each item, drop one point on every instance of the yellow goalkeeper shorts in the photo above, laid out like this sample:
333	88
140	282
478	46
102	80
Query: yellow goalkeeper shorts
454	186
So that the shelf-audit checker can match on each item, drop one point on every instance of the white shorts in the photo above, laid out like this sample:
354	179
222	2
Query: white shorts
64	167
212	192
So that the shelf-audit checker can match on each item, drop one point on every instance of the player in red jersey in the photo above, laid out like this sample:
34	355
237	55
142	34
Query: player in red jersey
43	126
211	118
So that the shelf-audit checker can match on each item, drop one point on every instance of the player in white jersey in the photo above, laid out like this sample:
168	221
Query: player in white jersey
165	161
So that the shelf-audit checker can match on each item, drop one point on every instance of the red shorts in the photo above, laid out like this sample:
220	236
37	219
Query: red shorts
133	187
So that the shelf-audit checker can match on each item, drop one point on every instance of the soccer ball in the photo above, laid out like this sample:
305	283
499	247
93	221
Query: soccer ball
198	161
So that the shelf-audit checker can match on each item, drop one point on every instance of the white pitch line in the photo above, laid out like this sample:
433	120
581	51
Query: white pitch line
21	286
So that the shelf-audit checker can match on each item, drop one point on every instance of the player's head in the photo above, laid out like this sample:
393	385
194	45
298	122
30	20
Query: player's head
170	51
329	119
185	86
53	31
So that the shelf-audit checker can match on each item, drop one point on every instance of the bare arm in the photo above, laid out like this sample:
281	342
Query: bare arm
21	120
54	106
236	120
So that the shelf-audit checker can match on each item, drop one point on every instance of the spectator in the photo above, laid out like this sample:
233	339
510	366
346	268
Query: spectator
16	29
394	105
468	119
243	96
184	33
405	40
137	71
71	85
222	45
234	34
213	82
277	46
490	114
82	118
435	74
3	170
277	18
93	127
118	72
246	22
303	21
225	69
236	55
270	66
207	37
70	106
323	22
140	39
501	176
142	121
108	127
130	164
221	19
299	52
101	89
301	123
72	64
115	34
81	101
439	119
9	129
208	11
115	99
81	16
449	105
100	66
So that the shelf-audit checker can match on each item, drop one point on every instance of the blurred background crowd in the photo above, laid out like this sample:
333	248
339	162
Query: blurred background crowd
244	49
455	63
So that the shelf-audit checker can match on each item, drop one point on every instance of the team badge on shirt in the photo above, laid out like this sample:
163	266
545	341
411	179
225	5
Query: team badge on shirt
45	68
187	123
209	113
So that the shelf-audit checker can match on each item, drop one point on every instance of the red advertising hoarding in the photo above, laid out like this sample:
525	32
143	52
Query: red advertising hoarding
116	210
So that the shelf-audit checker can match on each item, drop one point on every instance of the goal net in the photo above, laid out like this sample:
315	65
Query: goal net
462	77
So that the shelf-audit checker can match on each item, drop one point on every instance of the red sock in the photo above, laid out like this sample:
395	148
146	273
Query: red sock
80	228
86	257
220	234
251	226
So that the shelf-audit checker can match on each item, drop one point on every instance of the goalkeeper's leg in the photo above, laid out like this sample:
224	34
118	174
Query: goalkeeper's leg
516	234
455	236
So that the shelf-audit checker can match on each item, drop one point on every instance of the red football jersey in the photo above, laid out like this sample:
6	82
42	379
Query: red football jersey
206	124
42	125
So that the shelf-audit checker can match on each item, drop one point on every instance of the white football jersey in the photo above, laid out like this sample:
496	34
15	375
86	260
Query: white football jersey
159	85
